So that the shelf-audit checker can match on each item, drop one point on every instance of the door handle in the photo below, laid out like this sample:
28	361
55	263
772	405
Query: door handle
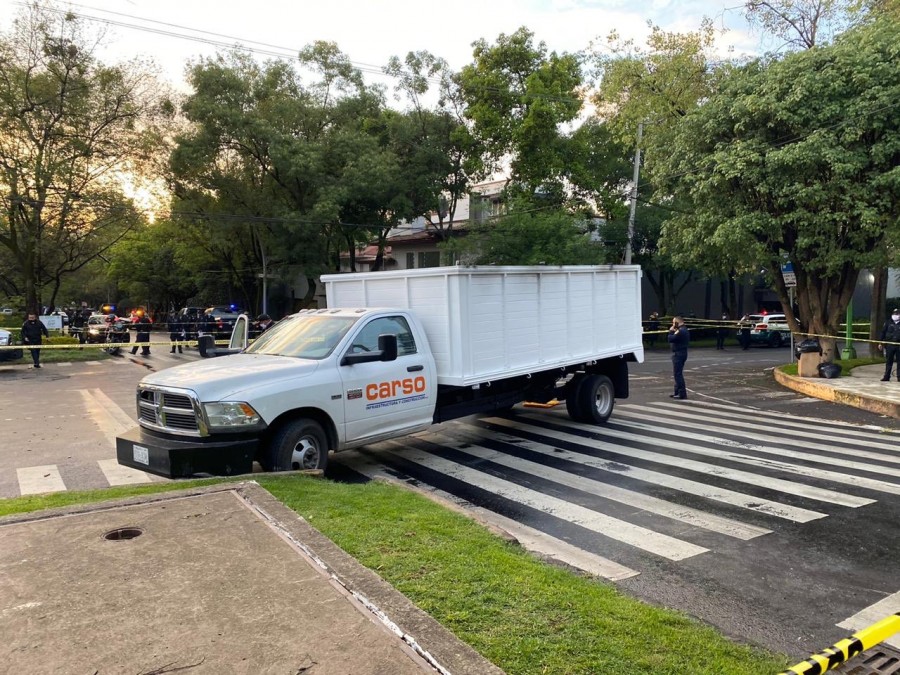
414	369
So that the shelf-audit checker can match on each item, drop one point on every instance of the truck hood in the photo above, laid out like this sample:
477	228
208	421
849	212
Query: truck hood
220	378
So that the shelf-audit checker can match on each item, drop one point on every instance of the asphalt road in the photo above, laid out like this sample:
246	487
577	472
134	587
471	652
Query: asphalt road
765	513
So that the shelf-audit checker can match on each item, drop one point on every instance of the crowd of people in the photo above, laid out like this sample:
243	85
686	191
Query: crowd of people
34	330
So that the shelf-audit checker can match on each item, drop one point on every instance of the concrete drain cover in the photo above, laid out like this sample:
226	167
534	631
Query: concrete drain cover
876	661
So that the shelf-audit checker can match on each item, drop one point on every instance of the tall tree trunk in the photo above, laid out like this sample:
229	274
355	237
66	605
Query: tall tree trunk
877	312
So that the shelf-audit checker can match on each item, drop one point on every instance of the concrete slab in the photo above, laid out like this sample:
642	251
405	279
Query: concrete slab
863	389
220	580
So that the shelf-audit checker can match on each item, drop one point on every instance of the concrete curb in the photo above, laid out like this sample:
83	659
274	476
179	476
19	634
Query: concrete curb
829	392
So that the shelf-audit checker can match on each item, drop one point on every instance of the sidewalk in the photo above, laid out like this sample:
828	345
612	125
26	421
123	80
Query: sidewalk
224	579
863	389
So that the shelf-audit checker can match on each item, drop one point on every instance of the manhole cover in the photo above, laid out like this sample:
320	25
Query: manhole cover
875	661
123	533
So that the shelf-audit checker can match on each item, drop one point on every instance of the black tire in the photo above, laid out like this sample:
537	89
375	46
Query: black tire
775	340
299	444
597	398
573	400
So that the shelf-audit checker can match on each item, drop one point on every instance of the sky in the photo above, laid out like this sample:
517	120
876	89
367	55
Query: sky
369	32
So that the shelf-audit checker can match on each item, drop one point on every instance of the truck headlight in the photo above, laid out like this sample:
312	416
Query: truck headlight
230	415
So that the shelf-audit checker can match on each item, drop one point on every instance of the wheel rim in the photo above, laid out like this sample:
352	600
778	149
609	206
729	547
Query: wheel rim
305	454
603	400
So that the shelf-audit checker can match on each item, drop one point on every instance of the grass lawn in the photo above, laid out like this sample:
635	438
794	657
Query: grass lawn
846	365
522	614
62	355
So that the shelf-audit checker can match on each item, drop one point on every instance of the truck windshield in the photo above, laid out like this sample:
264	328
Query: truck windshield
305	337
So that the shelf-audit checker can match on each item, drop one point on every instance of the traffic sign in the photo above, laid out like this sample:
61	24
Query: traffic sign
787	271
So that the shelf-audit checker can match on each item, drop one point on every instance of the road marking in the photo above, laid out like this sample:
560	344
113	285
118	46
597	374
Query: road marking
811	472
116	474
873	614
749	502
876	431
108	416
779	484
684	514
733	419
35	480
528	537
612	528
64	364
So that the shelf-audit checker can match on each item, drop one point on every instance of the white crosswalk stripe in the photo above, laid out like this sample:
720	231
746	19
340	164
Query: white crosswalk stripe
711	492
35	480
871	483
661	507
789	487
116	474
671	480
635	535
701	421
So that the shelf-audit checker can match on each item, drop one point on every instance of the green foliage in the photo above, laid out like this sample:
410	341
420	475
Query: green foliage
536	238
69	124
517	96
795	159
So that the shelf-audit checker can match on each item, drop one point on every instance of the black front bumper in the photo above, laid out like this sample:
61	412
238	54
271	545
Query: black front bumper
180	457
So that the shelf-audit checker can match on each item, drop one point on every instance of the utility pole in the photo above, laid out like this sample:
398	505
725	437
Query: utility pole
634	189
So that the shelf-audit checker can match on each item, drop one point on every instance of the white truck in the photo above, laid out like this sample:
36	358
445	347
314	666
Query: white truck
394	353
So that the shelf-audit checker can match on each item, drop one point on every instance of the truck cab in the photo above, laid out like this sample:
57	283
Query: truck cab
318	379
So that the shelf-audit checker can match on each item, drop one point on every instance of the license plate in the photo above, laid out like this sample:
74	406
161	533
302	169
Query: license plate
141	454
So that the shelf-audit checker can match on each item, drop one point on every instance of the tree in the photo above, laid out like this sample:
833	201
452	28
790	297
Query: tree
70	126
795	159
533	238
802	23
655	86
443	156
517	96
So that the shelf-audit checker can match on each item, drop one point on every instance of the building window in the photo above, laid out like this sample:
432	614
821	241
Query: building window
410	260
430	259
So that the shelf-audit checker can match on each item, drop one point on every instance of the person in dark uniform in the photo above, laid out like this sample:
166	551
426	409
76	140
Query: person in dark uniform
722	332
652	325
32	330
142	327
891	335
679	337
78	325
745	332
176	333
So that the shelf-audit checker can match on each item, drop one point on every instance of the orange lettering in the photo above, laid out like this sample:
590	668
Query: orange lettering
371	391
419	384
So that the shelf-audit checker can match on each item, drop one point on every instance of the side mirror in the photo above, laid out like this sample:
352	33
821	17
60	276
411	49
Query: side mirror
387	345
387	351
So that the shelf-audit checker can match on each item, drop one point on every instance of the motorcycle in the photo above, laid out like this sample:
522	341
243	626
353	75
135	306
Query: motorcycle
116	335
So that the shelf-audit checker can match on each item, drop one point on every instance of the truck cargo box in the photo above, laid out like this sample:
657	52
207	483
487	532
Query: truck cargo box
488	323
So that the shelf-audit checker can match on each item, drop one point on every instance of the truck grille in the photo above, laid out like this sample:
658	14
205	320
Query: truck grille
168	411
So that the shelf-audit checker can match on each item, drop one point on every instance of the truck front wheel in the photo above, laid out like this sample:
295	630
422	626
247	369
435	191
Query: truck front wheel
300	444
596	397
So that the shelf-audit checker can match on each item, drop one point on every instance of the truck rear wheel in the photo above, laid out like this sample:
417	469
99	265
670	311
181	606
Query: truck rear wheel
596	397
299	444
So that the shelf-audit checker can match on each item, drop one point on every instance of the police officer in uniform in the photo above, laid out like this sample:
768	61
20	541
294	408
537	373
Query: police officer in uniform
679	337
891	334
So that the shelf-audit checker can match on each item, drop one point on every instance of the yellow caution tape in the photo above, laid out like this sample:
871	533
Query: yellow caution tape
847	648
107	345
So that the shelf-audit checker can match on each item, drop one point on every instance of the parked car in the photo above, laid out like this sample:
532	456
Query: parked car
7	311
6	340
97	326
768	329
219	321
